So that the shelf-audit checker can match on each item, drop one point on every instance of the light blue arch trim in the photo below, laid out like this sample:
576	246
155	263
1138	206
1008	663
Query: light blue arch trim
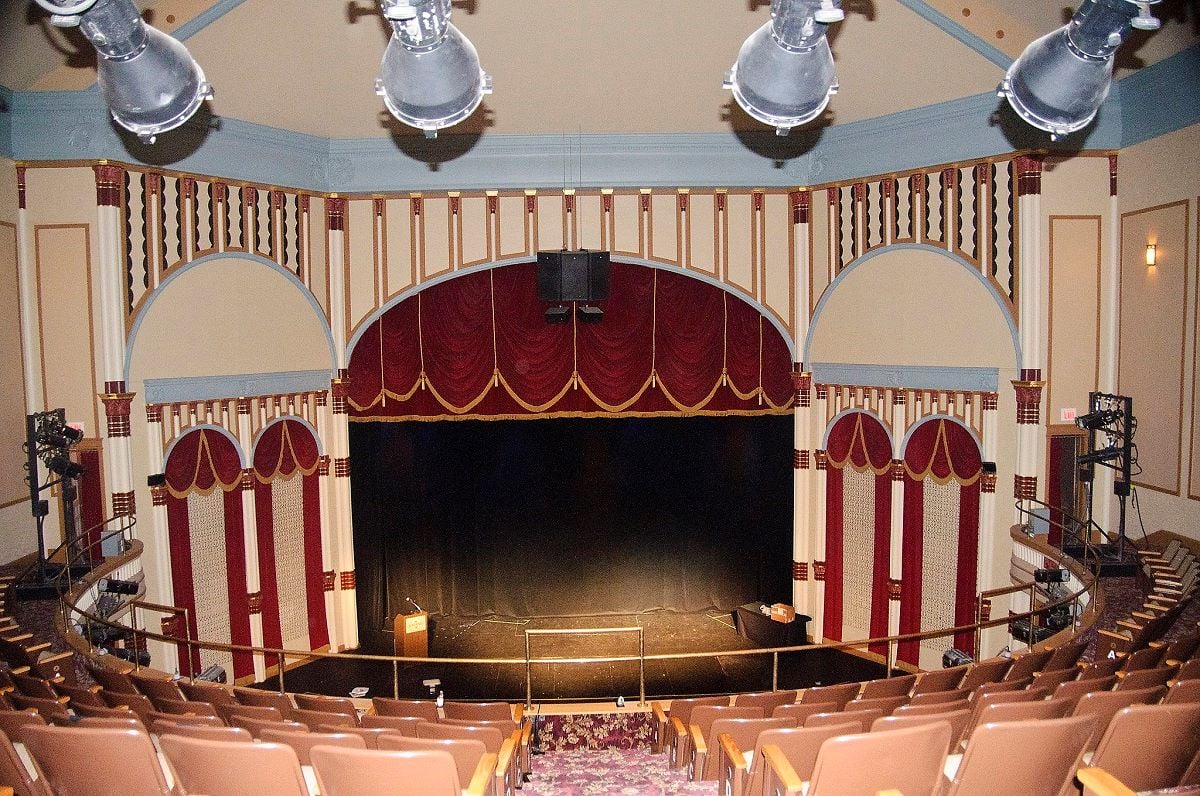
311	429
926	377
179	270
991	291
834	421
412	291
224	432
929	418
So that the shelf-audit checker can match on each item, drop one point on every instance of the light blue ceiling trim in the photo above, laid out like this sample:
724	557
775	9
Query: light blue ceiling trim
940	20
205	18
240	385
6	100
1161	98
925	377
1155	100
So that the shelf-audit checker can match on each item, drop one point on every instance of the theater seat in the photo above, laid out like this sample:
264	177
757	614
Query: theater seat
908	760
351	772
792	749
14	773
698	726
233	768
302	742
1150	746
674	721
70	757
743	733
957	719
421	708
469	756
1036	757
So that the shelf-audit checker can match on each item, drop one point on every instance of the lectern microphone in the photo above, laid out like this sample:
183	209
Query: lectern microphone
413	603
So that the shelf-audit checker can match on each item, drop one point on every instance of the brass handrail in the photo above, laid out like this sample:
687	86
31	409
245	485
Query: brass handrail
585	631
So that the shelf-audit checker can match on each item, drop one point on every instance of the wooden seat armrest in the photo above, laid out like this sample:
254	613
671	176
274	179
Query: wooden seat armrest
660	727
679	743
733	774
506	766
482	779
732	753
699	745
779	771
518	711
1098	782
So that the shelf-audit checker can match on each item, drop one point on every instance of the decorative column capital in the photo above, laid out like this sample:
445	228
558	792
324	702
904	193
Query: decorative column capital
1029	174
802	385
990	402
893	586
802	460
248	479
800	570
1025	487
20	187
116	412
818	570
950	178
123	504
341	467
897	469
822	460
254	602
187	188
323	464
158	495
1112	174
987	482
110	180
348	581
220	191
1029	401
801	206
335	214
339	388
328	579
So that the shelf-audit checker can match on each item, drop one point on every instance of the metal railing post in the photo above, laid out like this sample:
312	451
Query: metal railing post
641	667
774	671
395	679
528	676
282	689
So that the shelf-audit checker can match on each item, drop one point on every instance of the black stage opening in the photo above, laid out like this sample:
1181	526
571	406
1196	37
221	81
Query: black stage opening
570	516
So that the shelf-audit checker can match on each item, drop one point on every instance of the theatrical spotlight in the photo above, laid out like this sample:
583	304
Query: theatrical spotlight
784	74
61	465
114	586
61	437
149	80
430	77
1094	421
1061	79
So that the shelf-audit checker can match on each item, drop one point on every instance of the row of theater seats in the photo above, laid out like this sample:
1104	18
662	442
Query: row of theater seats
1169	581
21	652
241	740
1027	722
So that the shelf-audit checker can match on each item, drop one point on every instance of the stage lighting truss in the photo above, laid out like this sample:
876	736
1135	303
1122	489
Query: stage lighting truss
1111	426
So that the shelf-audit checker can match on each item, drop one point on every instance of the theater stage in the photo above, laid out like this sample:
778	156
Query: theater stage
501	637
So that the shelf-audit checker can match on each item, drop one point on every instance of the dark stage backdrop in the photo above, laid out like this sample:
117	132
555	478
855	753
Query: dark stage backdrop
571	516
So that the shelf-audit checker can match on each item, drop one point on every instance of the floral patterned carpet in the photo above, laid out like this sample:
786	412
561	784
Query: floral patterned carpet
607	772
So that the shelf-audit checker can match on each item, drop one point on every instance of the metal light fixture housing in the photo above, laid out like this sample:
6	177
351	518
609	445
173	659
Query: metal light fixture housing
149	80
1059	82
430	77
784	73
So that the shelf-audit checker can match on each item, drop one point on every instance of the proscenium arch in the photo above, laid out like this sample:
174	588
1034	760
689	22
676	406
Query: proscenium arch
997	298
761	309
179	270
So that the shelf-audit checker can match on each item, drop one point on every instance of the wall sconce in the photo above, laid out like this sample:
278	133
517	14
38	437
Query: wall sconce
1151	255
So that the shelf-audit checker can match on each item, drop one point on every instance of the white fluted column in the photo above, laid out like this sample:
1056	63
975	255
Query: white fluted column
1031	432
803	527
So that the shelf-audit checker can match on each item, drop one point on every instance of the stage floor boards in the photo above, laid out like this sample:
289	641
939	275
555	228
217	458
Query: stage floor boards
664	632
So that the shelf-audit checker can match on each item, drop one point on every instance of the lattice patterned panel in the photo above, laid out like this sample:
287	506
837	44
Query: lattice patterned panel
858	551
172	244
939	566
847	228
287	512
203	216
966	242
904	210
935	192
292	225
875	211
235	236
206	523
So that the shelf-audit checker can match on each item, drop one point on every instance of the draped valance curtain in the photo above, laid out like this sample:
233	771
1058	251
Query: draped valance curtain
479	346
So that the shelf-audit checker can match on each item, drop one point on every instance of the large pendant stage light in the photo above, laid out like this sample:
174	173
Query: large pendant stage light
149	80
430	77
1059	82
784	74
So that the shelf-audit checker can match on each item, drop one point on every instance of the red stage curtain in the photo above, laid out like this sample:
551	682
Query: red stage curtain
944	452
478	345
201	461
286	450
859	441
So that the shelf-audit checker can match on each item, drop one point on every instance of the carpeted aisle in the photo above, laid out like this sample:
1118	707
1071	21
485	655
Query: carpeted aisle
607	772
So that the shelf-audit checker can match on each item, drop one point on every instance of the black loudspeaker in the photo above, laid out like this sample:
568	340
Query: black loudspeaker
158	479
572	276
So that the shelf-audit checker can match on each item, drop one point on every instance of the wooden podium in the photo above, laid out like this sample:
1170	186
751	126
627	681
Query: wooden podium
412	635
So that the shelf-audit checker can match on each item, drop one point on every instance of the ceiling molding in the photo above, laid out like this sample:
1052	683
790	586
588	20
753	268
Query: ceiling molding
205	18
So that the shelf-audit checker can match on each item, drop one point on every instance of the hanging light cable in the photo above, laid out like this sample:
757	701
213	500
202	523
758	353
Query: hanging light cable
149	80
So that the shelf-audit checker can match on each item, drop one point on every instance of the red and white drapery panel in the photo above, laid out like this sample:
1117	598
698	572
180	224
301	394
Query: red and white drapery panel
207	546
479	346
858	495
287	505
942	468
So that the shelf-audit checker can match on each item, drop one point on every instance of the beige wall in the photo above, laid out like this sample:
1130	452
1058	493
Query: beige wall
16	526
1159	194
